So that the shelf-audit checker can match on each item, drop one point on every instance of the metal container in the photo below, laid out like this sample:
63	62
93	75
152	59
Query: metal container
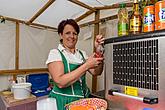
135	61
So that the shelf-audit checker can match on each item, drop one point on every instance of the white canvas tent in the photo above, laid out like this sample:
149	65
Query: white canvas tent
29	31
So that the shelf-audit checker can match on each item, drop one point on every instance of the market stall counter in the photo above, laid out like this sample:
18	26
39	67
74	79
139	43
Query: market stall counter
7	102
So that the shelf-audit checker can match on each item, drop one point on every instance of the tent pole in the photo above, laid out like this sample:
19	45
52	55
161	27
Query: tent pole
96	32
16	50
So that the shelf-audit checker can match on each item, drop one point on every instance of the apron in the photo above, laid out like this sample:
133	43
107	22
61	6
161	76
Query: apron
71	93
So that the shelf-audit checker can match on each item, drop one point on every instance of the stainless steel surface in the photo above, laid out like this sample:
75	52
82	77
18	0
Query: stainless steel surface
153	88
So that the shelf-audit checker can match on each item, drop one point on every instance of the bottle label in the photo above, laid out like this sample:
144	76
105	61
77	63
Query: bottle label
122	29
135	24
160	15
149	19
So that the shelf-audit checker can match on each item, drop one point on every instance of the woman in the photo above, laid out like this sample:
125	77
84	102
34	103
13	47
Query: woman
68	65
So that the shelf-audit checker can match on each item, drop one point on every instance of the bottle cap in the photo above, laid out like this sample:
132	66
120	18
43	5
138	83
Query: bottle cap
135	1
122	5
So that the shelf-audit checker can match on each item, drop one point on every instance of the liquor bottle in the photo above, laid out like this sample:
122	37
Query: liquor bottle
153	1
148	17
135	26
123	20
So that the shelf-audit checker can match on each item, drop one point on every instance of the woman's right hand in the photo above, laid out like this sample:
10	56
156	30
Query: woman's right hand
93	62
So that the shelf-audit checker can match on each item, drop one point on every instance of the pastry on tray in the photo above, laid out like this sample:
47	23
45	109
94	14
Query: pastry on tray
87	104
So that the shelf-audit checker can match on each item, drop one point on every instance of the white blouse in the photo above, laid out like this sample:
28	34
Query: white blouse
76	58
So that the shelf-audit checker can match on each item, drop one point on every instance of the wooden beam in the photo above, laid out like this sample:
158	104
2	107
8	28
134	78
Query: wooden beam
13	19
43	26
98	21
16	49
41	11
33	26
84	15
22	71
24	22
112	6
82	4
96	32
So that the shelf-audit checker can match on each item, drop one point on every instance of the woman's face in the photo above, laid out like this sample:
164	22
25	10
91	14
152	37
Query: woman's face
69	37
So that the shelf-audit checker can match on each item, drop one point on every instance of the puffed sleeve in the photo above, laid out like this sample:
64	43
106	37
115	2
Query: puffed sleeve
54	55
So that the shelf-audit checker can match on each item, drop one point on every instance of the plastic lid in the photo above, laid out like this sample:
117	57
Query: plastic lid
122	5
148	109
21	85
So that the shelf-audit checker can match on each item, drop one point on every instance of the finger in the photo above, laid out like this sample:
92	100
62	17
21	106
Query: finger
98	37
100	62
97	64
100	40
94	54
101	36
100	59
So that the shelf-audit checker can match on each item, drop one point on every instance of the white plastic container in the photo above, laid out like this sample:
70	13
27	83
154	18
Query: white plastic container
21	90
47	104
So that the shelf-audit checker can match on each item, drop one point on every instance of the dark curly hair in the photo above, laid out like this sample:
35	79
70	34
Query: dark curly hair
63	23
71	22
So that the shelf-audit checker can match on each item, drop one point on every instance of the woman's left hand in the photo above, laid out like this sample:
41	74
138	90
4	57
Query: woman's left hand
99	40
